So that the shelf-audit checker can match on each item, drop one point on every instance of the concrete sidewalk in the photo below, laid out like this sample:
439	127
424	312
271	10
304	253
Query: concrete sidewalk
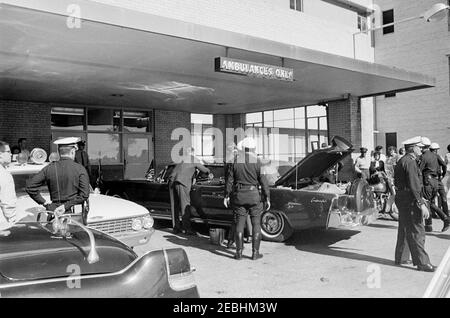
337	263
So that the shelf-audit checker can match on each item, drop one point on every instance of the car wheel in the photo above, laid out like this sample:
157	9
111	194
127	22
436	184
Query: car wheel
363	195
274	227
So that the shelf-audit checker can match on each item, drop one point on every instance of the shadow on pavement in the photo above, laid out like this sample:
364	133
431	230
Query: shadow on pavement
383	226
319	242
199	241
440	235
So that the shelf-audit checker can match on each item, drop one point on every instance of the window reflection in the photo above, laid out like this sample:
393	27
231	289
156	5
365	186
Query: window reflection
105	147
293	141
138	150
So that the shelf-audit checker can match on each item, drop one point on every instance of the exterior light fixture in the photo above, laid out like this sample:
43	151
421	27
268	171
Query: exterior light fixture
436	13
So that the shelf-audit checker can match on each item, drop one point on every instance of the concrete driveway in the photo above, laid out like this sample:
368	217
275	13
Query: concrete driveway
315	263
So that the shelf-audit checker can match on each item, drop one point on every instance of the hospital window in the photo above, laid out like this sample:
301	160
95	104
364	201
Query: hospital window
362	23
288	134
110	133
296	5
388	17
202	136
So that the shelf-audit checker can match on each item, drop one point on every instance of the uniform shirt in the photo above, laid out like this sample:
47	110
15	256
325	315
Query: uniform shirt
407	176
247	173
8	197
362	163
431	164
67	182
184	171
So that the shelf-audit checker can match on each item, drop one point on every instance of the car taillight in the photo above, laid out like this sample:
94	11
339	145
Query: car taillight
136	225
148	222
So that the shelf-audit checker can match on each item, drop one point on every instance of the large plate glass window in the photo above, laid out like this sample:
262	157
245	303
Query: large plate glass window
66	118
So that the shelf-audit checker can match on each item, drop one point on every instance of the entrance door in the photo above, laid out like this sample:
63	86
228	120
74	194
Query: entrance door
138	154
391	140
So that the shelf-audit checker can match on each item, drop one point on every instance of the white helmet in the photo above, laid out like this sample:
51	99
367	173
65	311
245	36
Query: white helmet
426	142
247	142
435	145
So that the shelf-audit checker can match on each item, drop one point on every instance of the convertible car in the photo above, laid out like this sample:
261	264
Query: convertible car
125	220
301	198
63	258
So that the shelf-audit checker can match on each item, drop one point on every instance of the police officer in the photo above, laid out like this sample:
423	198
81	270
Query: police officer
412	208
243	179
431	165
67	181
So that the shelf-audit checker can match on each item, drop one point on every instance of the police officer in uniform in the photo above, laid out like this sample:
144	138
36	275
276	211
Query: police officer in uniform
412	207
431	165
243	179
67	181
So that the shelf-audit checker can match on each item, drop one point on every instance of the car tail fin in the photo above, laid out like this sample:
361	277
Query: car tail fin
180	272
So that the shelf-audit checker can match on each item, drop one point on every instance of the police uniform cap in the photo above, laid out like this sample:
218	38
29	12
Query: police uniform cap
426	141
415	141
67	142
434	145
247	142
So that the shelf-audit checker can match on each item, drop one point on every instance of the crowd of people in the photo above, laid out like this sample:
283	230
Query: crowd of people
421	177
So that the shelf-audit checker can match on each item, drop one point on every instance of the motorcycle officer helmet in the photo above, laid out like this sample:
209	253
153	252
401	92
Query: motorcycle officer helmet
435	146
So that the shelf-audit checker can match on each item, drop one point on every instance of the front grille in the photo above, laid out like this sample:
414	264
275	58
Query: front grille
113	227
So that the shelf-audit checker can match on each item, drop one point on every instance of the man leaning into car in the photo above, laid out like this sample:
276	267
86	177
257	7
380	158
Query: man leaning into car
180	181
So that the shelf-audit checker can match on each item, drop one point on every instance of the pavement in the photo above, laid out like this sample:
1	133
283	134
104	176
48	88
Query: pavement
312	263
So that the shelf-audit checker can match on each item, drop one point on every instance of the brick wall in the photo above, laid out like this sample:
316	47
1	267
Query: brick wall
165	123
345	121
25	119
420	47
269	19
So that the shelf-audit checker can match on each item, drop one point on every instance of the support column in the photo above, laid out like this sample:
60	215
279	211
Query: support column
344	120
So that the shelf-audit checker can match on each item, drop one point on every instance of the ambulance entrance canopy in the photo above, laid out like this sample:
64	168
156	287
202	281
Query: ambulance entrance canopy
124	58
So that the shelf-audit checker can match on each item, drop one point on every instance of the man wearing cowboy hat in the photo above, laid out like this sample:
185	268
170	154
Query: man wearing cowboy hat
412	208
67	181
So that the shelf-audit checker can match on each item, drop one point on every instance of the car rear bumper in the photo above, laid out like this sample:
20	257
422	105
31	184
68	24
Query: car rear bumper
135	238
348	219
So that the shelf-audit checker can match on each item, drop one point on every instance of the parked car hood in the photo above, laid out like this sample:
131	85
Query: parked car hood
101	207
317	162
32	251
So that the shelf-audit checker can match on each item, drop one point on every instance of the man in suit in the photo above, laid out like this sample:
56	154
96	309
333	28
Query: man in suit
180	181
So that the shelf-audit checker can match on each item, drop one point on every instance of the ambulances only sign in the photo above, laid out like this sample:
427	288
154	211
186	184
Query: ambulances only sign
240	67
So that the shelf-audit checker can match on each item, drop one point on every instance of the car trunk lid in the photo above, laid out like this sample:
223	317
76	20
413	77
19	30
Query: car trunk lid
317	162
